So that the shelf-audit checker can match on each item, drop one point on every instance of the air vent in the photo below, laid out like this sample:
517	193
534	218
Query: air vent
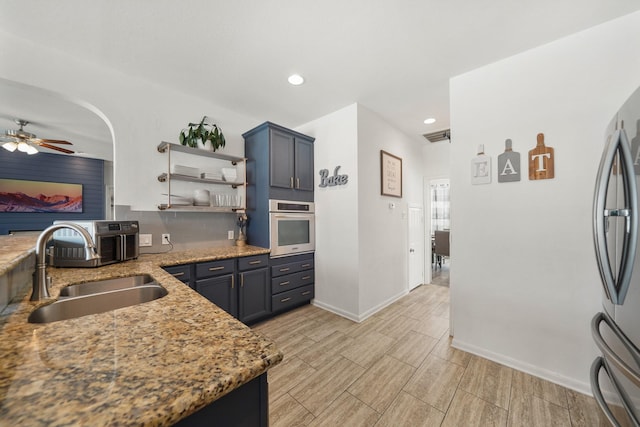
440	135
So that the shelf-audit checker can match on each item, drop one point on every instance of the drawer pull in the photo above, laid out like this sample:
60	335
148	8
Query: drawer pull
178	274
284	283
232	281
216	268
242	280
282	270
306	293
255	262
306	278
285	299
305	265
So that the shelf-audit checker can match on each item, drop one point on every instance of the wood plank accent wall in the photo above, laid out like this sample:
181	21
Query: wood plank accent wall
54	168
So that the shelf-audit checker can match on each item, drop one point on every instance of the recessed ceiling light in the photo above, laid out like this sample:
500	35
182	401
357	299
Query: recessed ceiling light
429	121
296	79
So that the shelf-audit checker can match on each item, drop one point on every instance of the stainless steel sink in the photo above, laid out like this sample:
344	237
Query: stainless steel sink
89	288
72	307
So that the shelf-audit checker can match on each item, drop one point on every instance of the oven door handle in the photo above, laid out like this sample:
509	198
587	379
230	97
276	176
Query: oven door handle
307	216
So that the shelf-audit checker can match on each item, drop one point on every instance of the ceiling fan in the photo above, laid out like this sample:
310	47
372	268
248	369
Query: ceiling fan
27	142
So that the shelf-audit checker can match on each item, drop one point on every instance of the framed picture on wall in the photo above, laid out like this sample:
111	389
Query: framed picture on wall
390	174
19	195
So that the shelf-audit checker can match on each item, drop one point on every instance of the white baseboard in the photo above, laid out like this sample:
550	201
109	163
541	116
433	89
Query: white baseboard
361	317
554	377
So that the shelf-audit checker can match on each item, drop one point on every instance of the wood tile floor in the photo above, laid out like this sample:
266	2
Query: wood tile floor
397	368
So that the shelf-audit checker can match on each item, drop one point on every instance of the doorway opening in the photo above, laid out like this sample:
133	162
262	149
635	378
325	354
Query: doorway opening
439	230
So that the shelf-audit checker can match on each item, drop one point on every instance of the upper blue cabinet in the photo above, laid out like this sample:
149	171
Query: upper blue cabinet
279	164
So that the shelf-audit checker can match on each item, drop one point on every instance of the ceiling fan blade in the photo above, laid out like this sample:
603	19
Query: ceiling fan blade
55	141
53	147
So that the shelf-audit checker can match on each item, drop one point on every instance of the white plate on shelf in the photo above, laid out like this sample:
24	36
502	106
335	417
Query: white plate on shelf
179	200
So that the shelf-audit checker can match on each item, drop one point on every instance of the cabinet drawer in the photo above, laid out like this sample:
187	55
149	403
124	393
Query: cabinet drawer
215	268
180	272
293	267
252	262
291	298
291	281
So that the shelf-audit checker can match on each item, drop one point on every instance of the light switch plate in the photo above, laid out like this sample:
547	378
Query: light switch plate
145	239
230	234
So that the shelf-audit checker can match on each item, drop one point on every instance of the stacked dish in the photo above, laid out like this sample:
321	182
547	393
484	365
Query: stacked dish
229	174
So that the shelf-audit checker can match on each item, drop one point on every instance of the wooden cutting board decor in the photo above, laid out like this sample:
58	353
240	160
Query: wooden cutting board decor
541	161
481	167
508	164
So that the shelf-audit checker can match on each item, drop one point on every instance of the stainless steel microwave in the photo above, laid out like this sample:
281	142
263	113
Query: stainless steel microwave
115	241
292	227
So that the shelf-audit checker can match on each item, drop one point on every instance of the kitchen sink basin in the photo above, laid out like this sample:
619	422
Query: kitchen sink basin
72	307
99	286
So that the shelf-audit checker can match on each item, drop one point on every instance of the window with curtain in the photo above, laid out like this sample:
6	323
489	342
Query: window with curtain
440	219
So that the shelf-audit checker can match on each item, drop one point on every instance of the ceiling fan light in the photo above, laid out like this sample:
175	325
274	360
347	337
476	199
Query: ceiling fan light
10	146
31	149
23	146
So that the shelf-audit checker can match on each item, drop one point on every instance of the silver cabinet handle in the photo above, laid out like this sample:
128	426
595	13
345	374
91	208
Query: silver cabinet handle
306	293
216	268
284	283
242	280
178	274
598	364
305	266
611	355
232	281
285	299
306	277
255	262
282	270
616	288
291	182
297	182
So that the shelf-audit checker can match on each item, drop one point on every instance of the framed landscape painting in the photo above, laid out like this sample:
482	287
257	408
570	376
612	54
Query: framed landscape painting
18	195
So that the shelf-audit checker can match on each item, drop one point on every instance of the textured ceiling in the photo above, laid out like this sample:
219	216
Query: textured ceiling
394	57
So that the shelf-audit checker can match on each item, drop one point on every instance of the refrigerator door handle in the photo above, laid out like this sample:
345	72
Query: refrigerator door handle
608	352
598	364
616	289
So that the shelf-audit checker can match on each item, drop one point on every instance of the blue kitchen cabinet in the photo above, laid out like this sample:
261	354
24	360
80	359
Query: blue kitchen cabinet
280	167
216	281
254	292
292	281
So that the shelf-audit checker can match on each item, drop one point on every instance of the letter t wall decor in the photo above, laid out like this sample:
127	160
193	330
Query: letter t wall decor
541	164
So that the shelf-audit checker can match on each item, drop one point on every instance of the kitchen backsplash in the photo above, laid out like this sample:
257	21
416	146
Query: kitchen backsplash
188	230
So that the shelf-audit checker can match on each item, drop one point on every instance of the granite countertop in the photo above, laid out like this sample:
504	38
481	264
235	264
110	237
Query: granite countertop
150	364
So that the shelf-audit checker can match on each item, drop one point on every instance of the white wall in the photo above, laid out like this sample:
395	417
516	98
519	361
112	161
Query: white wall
361	244
525	283
383	231
336	262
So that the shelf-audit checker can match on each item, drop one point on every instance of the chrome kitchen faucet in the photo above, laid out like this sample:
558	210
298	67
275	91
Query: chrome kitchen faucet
40	278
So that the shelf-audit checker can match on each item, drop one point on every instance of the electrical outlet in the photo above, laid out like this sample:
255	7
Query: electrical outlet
230	234
145	239
166	238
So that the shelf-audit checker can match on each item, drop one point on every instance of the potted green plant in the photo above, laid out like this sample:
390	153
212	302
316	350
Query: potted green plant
202	132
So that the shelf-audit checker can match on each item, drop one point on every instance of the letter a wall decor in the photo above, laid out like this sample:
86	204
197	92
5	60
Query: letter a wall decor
508	164
541	161
481	167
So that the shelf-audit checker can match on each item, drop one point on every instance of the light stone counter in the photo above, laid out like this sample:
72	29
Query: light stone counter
150	364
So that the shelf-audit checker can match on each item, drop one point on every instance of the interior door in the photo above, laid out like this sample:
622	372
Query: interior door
416	246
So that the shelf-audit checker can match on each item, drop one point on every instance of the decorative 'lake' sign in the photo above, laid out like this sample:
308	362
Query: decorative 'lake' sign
481	167
508	164
541	161
332	181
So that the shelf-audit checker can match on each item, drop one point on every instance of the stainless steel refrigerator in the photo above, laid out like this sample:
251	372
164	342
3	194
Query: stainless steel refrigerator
615	374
